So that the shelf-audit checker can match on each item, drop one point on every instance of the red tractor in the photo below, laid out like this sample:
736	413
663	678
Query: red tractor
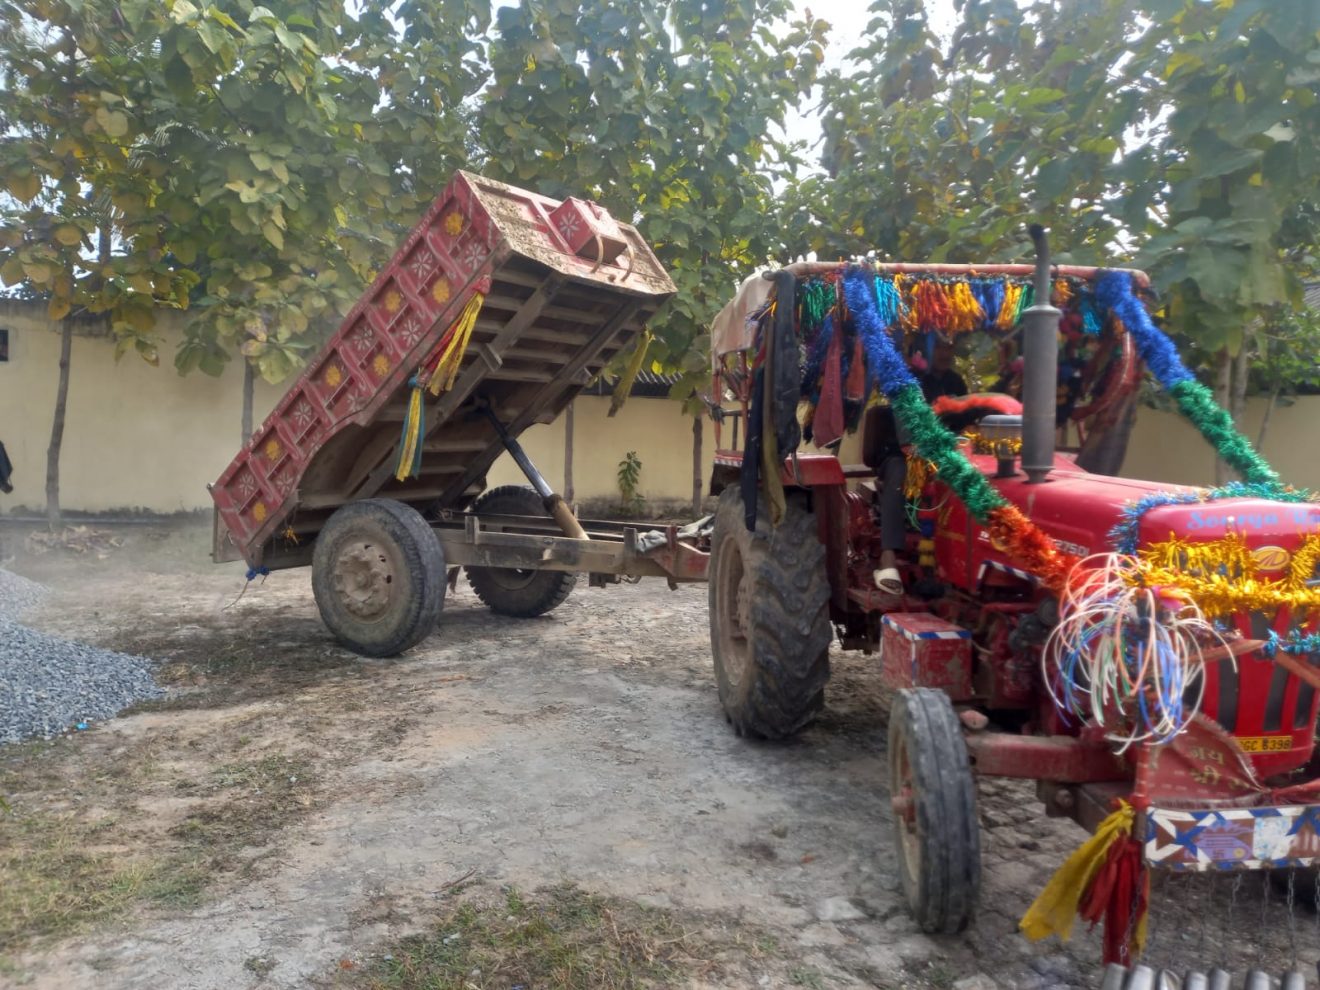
971	641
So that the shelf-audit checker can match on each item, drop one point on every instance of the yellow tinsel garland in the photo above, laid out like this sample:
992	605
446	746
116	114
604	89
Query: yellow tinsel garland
1224	576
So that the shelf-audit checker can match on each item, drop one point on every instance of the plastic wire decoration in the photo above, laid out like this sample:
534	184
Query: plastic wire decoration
1127	656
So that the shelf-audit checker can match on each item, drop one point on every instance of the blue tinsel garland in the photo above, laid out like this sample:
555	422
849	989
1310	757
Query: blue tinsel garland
885	365
1113	291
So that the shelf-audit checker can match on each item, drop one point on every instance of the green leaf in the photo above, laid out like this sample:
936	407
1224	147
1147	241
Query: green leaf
1227	161
220	17
58	308
291	41
113	122
178	77
274	235
184	250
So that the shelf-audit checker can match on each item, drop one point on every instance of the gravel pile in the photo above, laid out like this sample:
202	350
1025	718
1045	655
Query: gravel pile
49	685
18	594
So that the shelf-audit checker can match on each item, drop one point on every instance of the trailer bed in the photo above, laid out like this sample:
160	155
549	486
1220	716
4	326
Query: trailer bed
566	289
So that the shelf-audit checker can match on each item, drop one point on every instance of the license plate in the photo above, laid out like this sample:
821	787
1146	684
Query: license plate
1265	744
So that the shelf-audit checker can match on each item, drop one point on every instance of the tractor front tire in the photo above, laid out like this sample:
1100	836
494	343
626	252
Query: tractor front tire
936	832
378	576
769	618
523	594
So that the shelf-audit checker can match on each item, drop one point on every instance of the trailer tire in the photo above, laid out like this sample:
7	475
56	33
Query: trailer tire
378	576
937	836
521	594
769	618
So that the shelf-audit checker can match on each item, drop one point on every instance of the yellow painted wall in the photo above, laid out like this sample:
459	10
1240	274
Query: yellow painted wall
138	437
655	428
1165	447
134	436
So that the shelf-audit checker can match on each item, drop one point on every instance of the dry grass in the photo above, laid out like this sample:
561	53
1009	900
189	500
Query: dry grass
77	848
55	878
560	937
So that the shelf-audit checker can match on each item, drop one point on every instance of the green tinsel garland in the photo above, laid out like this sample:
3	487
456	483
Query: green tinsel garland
937	444
1198	404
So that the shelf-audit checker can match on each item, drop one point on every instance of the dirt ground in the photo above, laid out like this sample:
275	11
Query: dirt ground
295	816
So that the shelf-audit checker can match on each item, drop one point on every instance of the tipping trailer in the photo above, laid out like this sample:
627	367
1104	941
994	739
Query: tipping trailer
558	290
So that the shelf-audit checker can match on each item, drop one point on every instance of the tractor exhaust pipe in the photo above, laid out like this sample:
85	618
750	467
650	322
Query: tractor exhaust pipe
1040	374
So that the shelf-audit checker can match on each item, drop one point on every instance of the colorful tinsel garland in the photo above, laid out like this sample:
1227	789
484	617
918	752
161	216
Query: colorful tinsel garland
1126	535
879	306
1010	531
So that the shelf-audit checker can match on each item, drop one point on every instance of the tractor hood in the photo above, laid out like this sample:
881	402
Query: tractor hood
1080	509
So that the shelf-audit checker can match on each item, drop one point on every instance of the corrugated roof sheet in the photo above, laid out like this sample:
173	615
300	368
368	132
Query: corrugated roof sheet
648	385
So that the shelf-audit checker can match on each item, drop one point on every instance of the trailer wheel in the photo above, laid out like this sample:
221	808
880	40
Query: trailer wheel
523	594
936	832
378	575
769	618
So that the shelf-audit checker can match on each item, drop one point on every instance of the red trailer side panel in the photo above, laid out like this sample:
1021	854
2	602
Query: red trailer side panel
559	304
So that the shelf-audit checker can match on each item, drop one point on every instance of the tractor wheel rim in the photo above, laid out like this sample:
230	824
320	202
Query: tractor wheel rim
734	604
364	579
513	578
903	801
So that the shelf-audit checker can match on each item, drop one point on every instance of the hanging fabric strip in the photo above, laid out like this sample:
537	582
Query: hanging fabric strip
623	387
827	422
409	464
453	345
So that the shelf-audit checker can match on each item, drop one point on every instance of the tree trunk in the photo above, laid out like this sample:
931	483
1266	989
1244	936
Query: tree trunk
53	516
568	453
1223	393
696	467
1265	420
249	386
1231	393
1241	371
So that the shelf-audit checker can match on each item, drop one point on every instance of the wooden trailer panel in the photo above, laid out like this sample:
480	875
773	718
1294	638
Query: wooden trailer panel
566	289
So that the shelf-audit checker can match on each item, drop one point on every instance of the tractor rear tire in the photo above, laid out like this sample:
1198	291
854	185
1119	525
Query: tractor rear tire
769	618
936	832
523	594
378	575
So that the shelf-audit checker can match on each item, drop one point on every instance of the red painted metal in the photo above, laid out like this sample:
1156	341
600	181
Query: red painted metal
920	649
1057	758
682	562
588	230
799	470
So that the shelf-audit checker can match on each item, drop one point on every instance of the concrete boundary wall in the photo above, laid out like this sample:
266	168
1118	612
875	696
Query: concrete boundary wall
144	438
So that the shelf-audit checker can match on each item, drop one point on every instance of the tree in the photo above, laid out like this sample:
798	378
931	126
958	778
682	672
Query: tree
312	131
1179	131
254	174
72	185
1285	363
667	110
